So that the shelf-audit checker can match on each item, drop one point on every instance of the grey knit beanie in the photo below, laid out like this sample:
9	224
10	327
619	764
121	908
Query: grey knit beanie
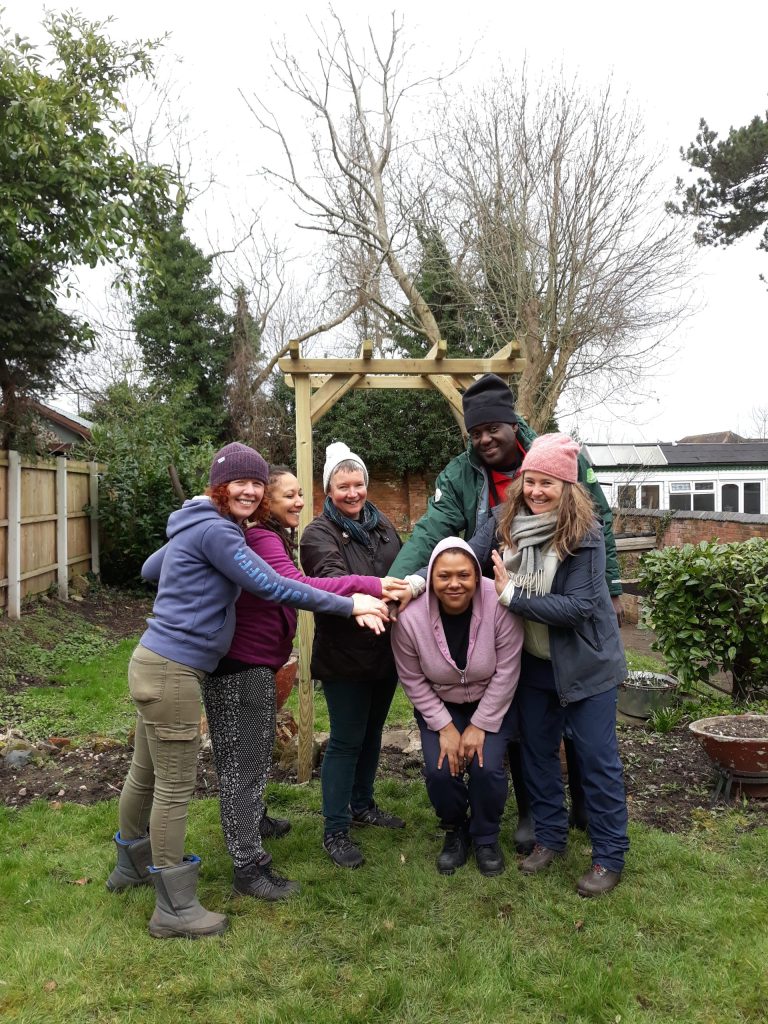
237	462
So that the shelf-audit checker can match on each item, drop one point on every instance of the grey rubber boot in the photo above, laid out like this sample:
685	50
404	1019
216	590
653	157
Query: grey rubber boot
178	912
134	857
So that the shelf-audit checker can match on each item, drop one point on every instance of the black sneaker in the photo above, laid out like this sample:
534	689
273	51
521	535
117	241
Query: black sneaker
274	828
261	882
374	815
455	849
489	859
342	850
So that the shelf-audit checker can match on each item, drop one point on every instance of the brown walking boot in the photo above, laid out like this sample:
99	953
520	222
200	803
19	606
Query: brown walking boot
539	859
598	881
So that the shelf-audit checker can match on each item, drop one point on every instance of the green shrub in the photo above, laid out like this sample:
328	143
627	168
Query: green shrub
137	437
708	605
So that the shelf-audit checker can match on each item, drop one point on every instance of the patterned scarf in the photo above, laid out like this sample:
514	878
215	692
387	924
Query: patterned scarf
530	534
358	529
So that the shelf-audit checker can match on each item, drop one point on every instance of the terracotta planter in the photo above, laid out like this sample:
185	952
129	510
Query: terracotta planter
642	693
736	743
285	677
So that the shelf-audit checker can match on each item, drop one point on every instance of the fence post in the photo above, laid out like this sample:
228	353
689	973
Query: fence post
93	503
62	549
14	535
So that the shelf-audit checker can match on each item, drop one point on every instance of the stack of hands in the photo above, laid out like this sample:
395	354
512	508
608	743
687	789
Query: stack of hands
374	613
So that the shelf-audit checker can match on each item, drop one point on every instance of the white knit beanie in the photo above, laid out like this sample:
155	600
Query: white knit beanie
335	454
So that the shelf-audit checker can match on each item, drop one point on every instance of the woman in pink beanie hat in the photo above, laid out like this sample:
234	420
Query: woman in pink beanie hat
551	572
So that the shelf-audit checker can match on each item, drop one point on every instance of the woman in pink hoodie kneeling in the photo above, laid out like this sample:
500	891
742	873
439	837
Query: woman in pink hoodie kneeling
458	658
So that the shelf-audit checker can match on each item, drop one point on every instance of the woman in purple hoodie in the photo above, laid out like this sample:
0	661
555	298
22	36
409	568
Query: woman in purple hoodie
200	573
239	695
458	659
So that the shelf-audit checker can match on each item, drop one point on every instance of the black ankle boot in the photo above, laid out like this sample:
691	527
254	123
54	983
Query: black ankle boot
489	859
455	849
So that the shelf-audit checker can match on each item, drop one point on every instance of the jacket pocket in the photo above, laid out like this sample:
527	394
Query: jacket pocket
213	633
588	632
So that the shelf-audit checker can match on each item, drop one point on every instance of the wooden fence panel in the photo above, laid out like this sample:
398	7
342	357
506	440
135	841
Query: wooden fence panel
46	534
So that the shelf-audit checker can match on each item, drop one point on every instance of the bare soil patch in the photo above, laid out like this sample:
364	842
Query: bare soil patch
669	778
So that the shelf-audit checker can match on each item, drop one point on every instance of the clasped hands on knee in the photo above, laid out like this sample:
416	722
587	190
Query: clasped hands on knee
460	747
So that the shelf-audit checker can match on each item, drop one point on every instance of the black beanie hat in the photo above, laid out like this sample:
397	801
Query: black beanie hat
488	400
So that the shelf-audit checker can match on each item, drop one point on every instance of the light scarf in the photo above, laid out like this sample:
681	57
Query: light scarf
530	534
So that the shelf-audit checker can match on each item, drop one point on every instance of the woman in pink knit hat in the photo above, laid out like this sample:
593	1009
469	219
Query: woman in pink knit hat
551	572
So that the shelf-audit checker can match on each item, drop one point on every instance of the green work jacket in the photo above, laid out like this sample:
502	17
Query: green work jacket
460	506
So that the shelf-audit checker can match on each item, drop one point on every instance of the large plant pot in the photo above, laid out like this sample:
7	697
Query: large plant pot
736	743
285	678
642	693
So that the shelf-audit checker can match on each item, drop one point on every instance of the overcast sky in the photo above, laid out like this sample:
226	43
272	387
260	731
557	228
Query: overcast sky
677	63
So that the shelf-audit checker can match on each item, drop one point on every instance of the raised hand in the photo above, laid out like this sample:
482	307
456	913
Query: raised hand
500	574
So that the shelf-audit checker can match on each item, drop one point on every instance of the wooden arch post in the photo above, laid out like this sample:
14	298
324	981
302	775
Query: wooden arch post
318	385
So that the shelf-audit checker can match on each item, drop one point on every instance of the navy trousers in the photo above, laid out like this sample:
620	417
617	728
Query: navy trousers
592	726
484	793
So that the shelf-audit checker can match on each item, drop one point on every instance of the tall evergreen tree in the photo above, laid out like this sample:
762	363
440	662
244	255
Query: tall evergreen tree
69	194
730	197
183	331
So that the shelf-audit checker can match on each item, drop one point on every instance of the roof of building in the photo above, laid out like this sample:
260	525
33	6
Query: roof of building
719	437
607	456
746	453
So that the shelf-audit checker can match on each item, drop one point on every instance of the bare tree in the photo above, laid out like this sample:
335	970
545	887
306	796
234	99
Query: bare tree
759	416
554	212
354	194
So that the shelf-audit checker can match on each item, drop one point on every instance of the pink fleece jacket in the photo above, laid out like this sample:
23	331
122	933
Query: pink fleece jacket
428	673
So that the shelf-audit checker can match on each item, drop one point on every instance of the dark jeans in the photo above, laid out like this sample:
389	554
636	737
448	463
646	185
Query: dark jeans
592	724
485	794
357	712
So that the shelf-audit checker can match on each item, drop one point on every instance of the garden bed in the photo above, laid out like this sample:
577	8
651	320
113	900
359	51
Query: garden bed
669	777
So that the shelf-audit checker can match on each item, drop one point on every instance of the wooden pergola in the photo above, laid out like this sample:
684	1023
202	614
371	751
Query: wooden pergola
318	385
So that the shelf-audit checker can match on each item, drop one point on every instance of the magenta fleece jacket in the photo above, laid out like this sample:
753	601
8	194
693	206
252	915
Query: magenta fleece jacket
429	675
264	631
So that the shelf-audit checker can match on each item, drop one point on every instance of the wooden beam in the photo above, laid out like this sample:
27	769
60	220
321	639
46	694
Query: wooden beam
330	393
439	350
306	619
13	543
294	349
378	381
509	351
425	367
366	349
446	388
62	575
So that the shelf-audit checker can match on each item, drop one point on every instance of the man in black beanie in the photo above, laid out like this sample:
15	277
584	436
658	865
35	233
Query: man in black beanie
466	492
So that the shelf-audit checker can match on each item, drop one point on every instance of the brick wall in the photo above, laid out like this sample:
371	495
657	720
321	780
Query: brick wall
674	528
403	500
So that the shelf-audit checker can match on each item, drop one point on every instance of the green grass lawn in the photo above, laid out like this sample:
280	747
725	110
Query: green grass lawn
683	939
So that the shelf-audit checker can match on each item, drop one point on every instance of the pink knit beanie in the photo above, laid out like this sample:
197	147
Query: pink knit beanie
555	454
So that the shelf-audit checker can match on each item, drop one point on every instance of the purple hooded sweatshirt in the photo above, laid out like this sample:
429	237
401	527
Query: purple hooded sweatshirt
429	675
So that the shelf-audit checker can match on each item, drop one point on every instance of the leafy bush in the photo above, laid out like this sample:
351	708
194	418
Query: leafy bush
708	605
137	438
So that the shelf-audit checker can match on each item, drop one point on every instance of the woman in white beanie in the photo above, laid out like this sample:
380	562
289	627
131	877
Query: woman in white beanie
356	667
